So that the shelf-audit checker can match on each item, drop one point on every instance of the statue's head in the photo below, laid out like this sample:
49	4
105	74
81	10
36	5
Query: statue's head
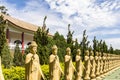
91	53
68	51
96	53
54	49
86	53
99	54
33	47
78	52
104	54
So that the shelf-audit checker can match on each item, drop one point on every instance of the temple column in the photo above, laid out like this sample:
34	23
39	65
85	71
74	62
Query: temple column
22	42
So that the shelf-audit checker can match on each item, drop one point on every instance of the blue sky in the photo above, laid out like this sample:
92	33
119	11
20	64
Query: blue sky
99	17
19	3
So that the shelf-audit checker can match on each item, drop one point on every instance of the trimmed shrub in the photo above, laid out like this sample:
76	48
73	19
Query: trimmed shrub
18	73
14	73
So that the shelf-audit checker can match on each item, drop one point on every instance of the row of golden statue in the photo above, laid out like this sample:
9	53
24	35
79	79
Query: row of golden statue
93	68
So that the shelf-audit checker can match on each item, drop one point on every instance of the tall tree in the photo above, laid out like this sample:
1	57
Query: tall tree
76	46
105	47
94	45
70	41
27	50
42	39
61	43
4	49
18	57
41	35
69	36
84	43
111	50
100	46
2	34
6	56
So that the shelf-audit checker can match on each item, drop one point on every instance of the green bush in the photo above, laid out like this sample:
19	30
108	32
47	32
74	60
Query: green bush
14	73
18	73
45	69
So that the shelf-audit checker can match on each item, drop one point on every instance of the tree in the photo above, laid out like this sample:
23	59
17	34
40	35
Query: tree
2	34
61	43
6	56
27	50
111	50
70	42
105	47
18	57
42	40
69	36
100	46
116	51
84	43
90	48
75	47
2	29
94	45
4	49
41	35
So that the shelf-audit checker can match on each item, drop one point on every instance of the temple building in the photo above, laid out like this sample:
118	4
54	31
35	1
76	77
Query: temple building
19	30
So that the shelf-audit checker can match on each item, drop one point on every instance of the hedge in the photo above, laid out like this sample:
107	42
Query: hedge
18	73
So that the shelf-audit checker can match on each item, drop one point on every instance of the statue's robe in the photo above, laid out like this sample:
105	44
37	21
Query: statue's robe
79	67
93	68
87	68
98	65
54	67
32	67
69	70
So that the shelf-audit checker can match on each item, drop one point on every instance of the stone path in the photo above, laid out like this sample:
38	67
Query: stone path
115	75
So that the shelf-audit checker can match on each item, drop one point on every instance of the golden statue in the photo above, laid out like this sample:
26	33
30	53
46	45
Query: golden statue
92	60
101	64
69	67
97	63
54	66
79	65
104	62
32	66
87	66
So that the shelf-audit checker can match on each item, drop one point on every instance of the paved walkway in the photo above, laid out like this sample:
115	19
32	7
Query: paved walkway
115	75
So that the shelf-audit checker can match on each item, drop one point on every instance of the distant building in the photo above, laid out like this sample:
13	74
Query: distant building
19	30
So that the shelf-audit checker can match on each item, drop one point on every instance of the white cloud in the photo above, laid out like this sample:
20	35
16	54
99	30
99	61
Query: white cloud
105	32
81	14
34	12
90	13
115	42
